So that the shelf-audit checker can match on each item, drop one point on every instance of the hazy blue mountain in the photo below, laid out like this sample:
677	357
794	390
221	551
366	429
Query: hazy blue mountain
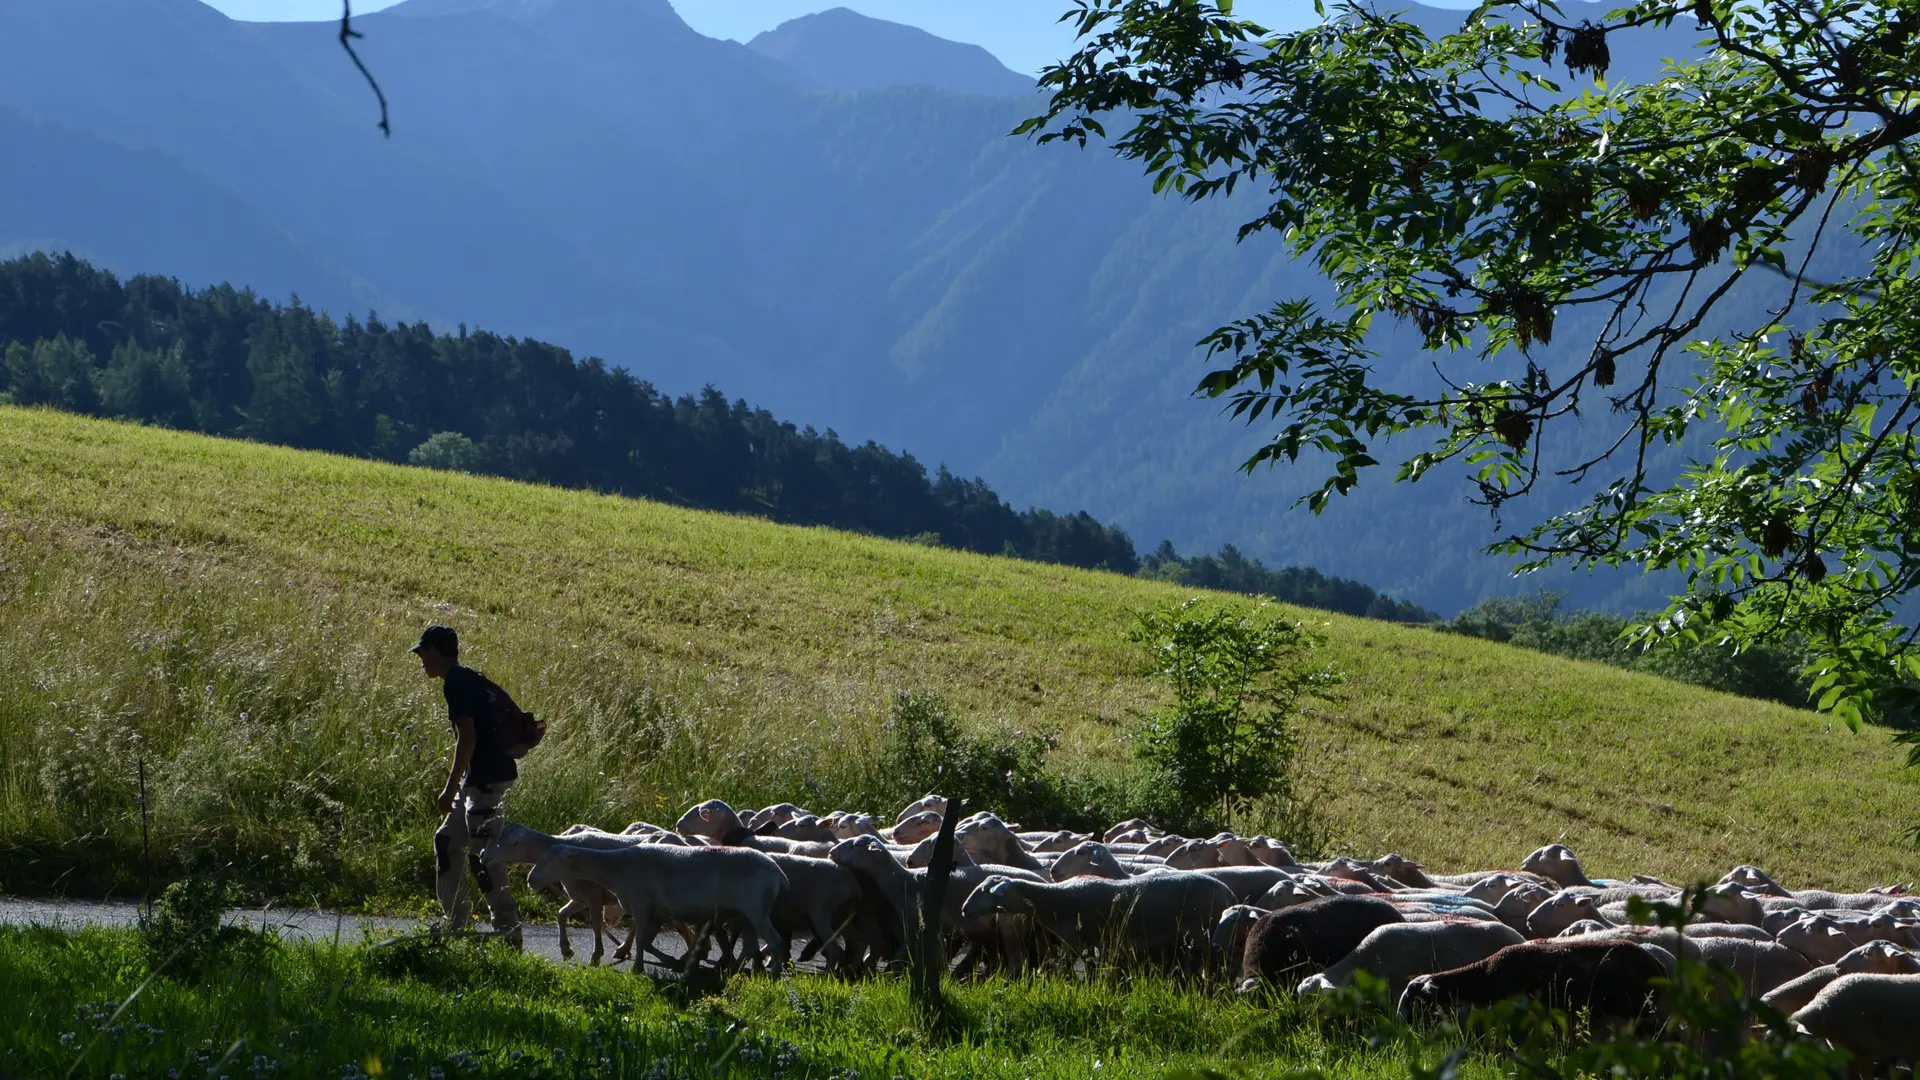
883	261
844	50
140	211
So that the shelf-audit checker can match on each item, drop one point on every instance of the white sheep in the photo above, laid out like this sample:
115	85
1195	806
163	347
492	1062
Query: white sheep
1875	958
1229	938
521	844
989	840
1397	952
1561	910
1166	917
913	828
716	821
902	889
1558	862
926	804
1872	1017
1818	938
1088	859
656	883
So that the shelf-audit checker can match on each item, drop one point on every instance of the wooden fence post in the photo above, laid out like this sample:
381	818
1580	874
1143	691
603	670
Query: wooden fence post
930	957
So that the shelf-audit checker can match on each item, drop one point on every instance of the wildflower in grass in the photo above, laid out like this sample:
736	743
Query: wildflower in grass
68	1040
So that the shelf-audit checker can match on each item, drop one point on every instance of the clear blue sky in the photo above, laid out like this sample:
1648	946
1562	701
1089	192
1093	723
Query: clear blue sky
1022	33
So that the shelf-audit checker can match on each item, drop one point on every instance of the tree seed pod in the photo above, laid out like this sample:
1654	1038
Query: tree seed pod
1587	50
1810	167
1814	568
1707	238
1514	428
1776	536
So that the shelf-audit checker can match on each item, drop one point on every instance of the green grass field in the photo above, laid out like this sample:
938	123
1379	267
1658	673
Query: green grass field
321	1012
236	616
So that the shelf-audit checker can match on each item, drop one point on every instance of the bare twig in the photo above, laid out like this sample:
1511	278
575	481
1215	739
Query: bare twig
347	34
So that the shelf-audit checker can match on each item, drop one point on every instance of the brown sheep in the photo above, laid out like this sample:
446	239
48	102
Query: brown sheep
1612	979
1316	934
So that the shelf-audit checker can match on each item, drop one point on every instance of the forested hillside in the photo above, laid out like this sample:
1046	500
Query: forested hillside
224	361
884	262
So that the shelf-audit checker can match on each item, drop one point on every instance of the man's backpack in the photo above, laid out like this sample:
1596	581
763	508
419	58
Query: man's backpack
515	730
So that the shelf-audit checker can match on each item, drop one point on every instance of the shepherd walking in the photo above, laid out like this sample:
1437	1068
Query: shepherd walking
491	733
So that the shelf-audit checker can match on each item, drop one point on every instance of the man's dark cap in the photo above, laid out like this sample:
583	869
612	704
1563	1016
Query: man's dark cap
440	639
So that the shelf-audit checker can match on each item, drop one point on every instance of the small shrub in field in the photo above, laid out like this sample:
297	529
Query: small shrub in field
448	450
183	937
1226	742
1007	770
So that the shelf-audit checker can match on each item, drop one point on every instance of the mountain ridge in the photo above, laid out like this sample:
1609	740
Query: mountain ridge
841	49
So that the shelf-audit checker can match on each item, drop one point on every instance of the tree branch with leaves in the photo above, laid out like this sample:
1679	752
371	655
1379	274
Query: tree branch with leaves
1455	185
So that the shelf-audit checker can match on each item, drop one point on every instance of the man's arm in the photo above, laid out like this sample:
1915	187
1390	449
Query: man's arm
462	757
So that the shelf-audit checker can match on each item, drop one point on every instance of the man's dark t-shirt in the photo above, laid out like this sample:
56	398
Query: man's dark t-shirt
467	696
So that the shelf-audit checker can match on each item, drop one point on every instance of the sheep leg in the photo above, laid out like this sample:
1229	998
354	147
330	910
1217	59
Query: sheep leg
642	931
597	911
761	927
1013	951
566	909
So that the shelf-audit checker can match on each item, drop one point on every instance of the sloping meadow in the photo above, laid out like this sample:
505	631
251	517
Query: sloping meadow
233	620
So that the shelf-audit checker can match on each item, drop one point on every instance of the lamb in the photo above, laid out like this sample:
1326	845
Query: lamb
914	828
1317	932
822	901
1585	927
1062	841
1876	958
847	825
1818	938
1558	862
1159	848
1754	880
1514	908
1763	966
1234	851
1247	882
717	821
989	840
1726	930
901	889
1123	827
520	844
1404	871
1271	852
656	882
1091	859
807	828
1165	917
1194	855
1561	910
1289	893
1613	979
1869	1016
1397	952
1229	939
1489	889
921	856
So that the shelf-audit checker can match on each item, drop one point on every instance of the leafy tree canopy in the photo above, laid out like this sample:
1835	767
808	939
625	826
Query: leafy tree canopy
1460	188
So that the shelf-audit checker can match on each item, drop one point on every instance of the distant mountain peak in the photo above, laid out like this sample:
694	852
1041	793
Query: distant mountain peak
842	49
531	10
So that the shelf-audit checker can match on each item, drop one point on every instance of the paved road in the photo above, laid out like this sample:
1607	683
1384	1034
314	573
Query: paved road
296	924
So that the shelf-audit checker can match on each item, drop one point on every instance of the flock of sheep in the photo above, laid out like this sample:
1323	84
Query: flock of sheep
1838	963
